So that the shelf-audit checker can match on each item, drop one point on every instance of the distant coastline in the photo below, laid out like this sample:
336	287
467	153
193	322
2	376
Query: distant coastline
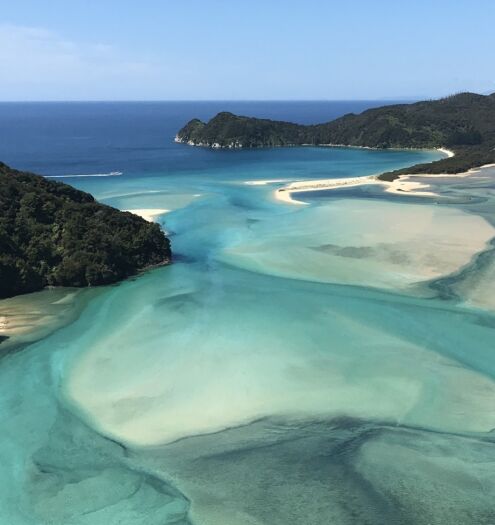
449	153
463	124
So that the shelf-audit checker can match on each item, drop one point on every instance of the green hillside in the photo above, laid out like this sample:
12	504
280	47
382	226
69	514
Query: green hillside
464	123
53	234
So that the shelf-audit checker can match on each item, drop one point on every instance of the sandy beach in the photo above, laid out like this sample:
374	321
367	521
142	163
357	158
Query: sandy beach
284	194
149	214
23	314
27	318
402	185
447	152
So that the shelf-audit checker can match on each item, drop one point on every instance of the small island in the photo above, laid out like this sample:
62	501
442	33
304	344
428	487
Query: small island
54	235
463	123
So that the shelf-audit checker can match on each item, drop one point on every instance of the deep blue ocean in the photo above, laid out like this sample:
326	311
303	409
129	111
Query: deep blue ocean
137	137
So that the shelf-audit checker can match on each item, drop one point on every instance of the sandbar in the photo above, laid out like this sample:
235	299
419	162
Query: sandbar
402	185
149	214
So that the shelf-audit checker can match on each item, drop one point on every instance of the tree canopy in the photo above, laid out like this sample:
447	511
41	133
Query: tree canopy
464	123
53	234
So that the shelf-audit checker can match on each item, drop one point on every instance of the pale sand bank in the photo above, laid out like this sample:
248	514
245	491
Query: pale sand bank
149	214
447	152
284	194
22	314
380	244
162	387
27	318
402	185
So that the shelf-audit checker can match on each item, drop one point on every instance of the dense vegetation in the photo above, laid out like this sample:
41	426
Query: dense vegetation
53	234
464	123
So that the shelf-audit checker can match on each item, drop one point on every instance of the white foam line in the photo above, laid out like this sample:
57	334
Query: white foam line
264	182
111	174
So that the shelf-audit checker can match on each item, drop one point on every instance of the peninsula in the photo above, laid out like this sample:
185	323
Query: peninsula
463	123
54	235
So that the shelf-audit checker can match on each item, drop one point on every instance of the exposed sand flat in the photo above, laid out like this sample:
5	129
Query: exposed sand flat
26	318
283	194
148	214
286	196
171	379
147	387
369	243
402	185
24	313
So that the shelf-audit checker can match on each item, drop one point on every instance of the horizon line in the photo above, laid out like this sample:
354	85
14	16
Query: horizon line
215	100
140	101
374	99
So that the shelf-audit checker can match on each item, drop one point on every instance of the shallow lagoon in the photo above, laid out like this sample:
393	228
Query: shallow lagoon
299	385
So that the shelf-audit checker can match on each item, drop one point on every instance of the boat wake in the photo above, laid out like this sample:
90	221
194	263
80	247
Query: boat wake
110	174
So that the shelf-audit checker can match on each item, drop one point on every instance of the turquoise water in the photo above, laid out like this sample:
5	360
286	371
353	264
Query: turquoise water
296	364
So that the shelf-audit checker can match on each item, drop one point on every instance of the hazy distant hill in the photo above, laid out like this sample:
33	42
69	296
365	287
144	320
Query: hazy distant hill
464	123
53	234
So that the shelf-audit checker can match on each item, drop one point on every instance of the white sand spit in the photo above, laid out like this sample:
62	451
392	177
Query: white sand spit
149	214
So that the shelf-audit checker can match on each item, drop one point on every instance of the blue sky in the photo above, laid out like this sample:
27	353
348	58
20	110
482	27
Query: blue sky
271	49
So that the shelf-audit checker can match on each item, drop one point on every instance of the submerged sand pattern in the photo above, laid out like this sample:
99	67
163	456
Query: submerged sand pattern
328	363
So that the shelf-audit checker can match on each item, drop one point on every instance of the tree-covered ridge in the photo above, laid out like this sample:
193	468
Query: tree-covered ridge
463	122
53	234
229	130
